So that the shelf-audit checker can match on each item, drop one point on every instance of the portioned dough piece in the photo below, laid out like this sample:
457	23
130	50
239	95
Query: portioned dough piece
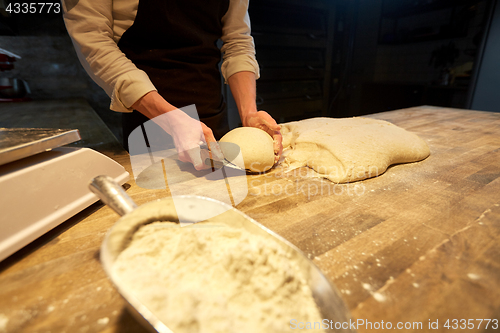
350	149
256	148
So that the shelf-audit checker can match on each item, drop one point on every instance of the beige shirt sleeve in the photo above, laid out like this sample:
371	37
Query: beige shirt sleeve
238	48
90	26
96	26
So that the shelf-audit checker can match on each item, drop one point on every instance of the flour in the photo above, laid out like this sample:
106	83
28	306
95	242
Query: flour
213	278
4	320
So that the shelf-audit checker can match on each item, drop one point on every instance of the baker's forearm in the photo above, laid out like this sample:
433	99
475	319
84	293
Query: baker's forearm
152	105
187	133
242	86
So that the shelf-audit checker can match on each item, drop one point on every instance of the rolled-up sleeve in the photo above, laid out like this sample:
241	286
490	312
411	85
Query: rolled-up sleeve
238	48
90	26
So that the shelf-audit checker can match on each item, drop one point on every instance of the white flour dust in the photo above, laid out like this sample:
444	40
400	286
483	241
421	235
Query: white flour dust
3	322
215	279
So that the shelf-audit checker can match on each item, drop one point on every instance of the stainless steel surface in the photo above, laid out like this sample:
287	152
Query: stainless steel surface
327	297
112	195
18	143
10	54
42	191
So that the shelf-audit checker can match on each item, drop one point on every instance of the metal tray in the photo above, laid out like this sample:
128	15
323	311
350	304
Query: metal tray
18	143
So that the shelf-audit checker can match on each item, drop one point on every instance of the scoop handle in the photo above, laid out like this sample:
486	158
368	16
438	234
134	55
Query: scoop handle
112	194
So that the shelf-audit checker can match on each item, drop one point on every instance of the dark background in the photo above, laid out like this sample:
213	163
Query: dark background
334	58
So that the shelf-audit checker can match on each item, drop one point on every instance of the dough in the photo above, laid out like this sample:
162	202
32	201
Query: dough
349	149
256	148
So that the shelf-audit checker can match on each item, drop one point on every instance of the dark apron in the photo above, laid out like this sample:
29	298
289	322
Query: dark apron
174	42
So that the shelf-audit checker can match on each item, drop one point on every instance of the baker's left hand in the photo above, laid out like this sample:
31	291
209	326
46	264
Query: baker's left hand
262	120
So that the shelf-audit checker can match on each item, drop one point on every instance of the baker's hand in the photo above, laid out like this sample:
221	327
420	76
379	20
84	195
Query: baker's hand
188	133
262	120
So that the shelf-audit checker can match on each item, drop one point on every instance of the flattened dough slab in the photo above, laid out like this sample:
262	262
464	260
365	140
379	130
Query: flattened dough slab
349	149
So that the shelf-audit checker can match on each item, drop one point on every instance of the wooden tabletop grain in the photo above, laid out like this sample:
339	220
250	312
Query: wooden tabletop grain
418	244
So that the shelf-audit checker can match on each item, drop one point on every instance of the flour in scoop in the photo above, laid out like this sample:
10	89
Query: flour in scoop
207	279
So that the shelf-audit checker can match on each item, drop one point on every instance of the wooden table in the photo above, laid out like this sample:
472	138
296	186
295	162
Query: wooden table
420	243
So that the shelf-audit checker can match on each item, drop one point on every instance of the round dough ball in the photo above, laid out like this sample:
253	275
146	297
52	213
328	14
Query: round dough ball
256	147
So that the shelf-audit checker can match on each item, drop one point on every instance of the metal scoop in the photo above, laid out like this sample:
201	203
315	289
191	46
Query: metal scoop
195	209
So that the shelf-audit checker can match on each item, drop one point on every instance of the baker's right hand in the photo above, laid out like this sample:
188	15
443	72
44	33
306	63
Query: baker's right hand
188	133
